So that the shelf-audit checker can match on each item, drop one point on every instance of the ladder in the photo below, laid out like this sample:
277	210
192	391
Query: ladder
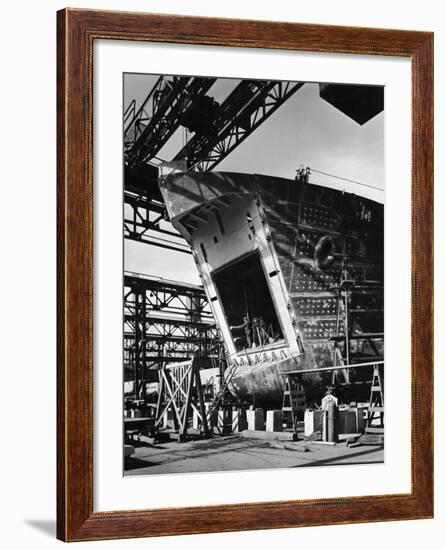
294	401
374	434
376	405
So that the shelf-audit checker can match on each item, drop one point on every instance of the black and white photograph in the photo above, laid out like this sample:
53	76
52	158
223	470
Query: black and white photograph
222	225
253	284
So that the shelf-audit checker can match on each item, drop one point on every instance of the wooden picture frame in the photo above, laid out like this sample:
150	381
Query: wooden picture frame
77	31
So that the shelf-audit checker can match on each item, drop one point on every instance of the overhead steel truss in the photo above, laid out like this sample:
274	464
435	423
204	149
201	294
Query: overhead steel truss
167	106
149	129
164	321
146	220
249	105
146	131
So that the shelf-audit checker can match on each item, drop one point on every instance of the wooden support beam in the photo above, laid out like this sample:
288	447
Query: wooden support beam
205	425
179	385
188	398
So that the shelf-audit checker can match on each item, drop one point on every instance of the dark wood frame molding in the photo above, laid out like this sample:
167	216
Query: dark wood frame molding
77	30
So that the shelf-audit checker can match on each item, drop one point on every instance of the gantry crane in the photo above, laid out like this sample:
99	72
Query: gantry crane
215	131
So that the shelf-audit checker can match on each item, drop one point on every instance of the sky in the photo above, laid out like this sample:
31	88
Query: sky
304	130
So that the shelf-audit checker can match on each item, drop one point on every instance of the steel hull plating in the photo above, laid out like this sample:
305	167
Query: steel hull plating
321	252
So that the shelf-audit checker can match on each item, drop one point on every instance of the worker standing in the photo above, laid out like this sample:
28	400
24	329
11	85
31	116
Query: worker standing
302	175
256	331
245	325
263	331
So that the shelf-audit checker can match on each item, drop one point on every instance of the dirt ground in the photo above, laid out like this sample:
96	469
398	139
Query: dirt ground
239	453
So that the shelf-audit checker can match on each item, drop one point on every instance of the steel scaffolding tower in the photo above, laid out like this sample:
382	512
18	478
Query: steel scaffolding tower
164	321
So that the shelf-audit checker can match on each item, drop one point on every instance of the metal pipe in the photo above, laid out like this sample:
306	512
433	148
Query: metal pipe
321	369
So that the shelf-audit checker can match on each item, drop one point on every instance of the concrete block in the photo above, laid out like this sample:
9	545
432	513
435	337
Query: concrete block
361	413
196	420
225	420
213	420
165	421
312	421
239	420
347	421
255	420
274	421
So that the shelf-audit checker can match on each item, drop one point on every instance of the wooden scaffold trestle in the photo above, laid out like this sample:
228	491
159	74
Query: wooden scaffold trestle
180	391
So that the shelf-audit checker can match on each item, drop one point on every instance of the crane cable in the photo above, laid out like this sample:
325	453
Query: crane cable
345	179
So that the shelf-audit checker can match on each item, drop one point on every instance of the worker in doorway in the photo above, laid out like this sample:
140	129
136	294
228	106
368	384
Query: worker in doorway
265	337
245	325
256	331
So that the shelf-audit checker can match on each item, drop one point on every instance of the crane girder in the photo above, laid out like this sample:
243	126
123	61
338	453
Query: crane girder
216	130
160	115
249	105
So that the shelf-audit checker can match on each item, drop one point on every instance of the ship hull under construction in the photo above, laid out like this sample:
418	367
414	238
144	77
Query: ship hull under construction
294	274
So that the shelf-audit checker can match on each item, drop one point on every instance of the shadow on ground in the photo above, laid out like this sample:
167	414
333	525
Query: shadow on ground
46	526
132	463
339	461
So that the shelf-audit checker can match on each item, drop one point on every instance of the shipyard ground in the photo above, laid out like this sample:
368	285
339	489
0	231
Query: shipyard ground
239	453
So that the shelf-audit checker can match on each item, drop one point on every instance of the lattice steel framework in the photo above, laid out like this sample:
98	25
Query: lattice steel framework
145	218
172	102
164	321
148	130
250	104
